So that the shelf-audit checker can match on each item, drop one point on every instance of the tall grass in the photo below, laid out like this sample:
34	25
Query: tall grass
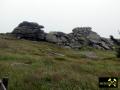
32	66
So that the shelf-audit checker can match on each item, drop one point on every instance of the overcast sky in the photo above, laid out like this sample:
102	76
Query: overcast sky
62	15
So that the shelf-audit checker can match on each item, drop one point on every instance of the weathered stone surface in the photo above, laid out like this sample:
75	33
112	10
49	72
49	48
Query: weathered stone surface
107	43
86	36
57	37
51	38
29	30
85	32
79	37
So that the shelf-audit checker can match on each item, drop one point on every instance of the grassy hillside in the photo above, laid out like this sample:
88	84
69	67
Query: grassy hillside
34	65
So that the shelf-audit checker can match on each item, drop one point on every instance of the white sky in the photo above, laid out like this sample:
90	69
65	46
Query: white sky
62	15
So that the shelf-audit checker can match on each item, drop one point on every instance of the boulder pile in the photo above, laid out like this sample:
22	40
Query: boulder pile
29	30
79	37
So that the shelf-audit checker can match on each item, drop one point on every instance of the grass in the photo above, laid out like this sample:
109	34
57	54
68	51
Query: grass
34	65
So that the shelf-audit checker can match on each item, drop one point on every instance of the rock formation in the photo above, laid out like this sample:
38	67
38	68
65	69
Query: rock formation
29	30
116	41
80	36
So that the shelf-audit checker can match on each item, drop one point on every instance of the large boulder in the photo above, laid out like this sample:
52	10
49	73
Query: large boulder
84	36
57	37
85	32
81	36
29	30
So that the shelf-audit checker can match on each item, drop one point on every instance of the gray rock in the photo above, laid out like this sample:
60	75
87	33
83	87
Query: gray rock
105	46
86	37
80	36
109	43
29	30
51	38
57	37
98	47
107	40
85	32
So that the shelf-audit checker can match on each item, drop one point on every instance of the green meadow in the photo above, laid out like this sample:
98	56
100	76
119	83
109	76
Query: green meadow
32	65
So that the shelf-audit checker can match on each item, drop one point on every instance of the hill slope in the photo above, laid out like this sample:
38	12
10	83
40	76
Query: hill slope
32	65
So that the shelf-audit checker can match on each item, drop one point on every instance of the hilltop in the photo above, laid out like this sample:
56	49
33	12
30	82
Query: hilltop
33	65
38	64
78	38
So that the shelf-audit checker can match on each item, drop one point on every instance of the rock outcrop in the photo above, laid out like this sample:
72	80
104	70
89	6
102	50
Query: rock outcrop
116	41
80	36
29	30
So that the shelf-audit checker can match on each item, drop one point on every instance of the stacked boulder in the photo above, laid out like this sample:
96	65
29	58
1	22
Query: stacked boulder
80	36
29	30
84	36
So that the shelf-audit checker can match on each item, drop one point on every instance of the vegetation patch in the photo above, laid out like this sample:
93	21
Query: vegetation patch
60	58
30	66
